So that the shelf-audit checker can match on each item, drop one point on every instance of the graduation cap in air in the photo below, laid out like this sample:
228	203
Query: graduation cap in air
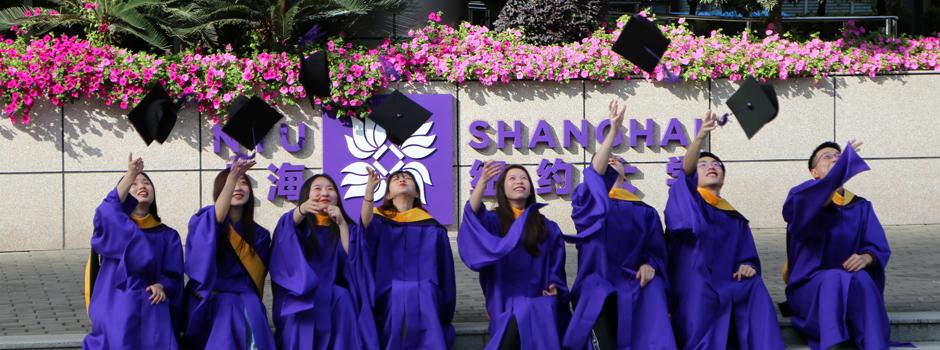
315	75
400	116
155	115
754	104
249	120
642	43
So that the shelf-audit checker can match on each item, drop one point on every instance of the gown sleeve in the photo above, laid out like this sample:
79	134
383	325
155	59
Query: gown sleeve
589	205
684	211
172	277
446	277
655	252
289	268
805	201
875	243
201	243
113	227
479	246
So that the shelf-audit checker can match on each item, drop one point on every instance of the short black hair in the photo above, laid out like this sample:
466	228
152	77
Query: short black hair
713	156
827	144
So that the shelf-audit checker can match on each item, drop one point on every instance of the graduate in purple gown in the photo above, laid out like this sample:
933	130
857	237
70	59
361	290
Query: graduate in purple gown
413	266
620	291
134	279
715	282
836	255
520	256
321	287
226	261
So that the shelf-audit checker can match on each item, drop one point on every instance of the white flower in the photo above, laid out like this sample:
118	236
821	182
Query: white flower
418	146
366	139
369	141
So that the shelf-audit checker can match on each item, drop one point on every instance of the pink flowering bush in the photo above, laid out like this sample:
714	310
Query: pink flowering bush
61	69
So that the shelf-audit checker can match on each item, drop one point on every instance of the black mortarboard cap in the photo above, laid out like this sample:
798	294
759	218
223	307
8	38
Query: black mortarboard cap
642	43
154	116
754	104
315	75
400	116
249	120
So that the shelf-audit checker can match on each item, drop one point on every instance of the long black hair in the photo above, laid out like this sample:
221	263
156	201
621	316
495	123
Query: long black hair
312	245
248	210
153	205
535	228
388	204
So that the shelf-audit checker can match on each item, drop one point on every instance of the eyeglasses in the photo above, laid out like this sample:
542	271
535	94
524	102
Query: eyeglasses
830	156
709	164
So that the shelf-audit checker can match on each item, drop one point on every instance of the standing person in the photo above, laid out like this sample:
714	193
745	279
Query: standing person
836	254
321	286
136	288
413	266
226	261
714	269
620	291
520	256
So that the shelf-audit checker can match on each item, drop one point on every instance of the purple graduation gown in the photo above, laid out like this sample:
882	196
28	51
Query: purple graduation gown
831	305
320	293
415	291
614	238
513	280
224	310
131	260
706	246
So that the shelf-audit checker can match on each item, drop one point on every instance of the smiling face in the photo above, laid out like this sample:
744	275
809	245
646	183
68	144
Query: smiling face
710	172
517	185
142	190
323	193
402	184
825	159
242	192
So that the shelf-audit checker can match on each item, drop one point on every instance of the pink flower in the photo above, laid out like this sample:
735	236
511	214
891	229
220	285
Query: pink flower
434	17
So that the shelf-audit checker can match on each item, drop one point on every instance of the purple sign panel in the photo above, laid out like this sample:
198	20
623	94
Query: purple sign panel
351	148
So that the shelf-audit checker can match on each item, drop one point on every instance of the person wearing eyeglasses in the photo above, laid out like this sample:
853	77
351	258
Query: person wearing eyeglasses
718	299
836	255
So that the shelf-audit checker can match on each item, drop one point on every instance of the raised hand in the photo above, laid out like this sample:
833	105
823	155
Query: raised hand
134	166
490	170
372	182
709	123
239	168
616	116
855	144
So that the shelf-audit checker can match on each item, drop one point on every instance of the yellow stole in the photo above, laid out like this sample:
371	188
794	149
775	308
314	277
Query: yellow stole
714	200
145	222
517	212
838	199
410	215
623	194
322	220
843	200
92	263
249	258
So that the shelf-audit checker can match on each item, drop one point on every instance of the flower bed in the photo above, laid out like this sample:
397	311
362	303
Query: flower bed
62	69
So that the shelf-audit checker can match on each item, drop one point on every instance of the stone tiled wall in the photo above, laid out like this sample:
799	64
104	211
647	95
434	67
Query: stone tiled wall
56	170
